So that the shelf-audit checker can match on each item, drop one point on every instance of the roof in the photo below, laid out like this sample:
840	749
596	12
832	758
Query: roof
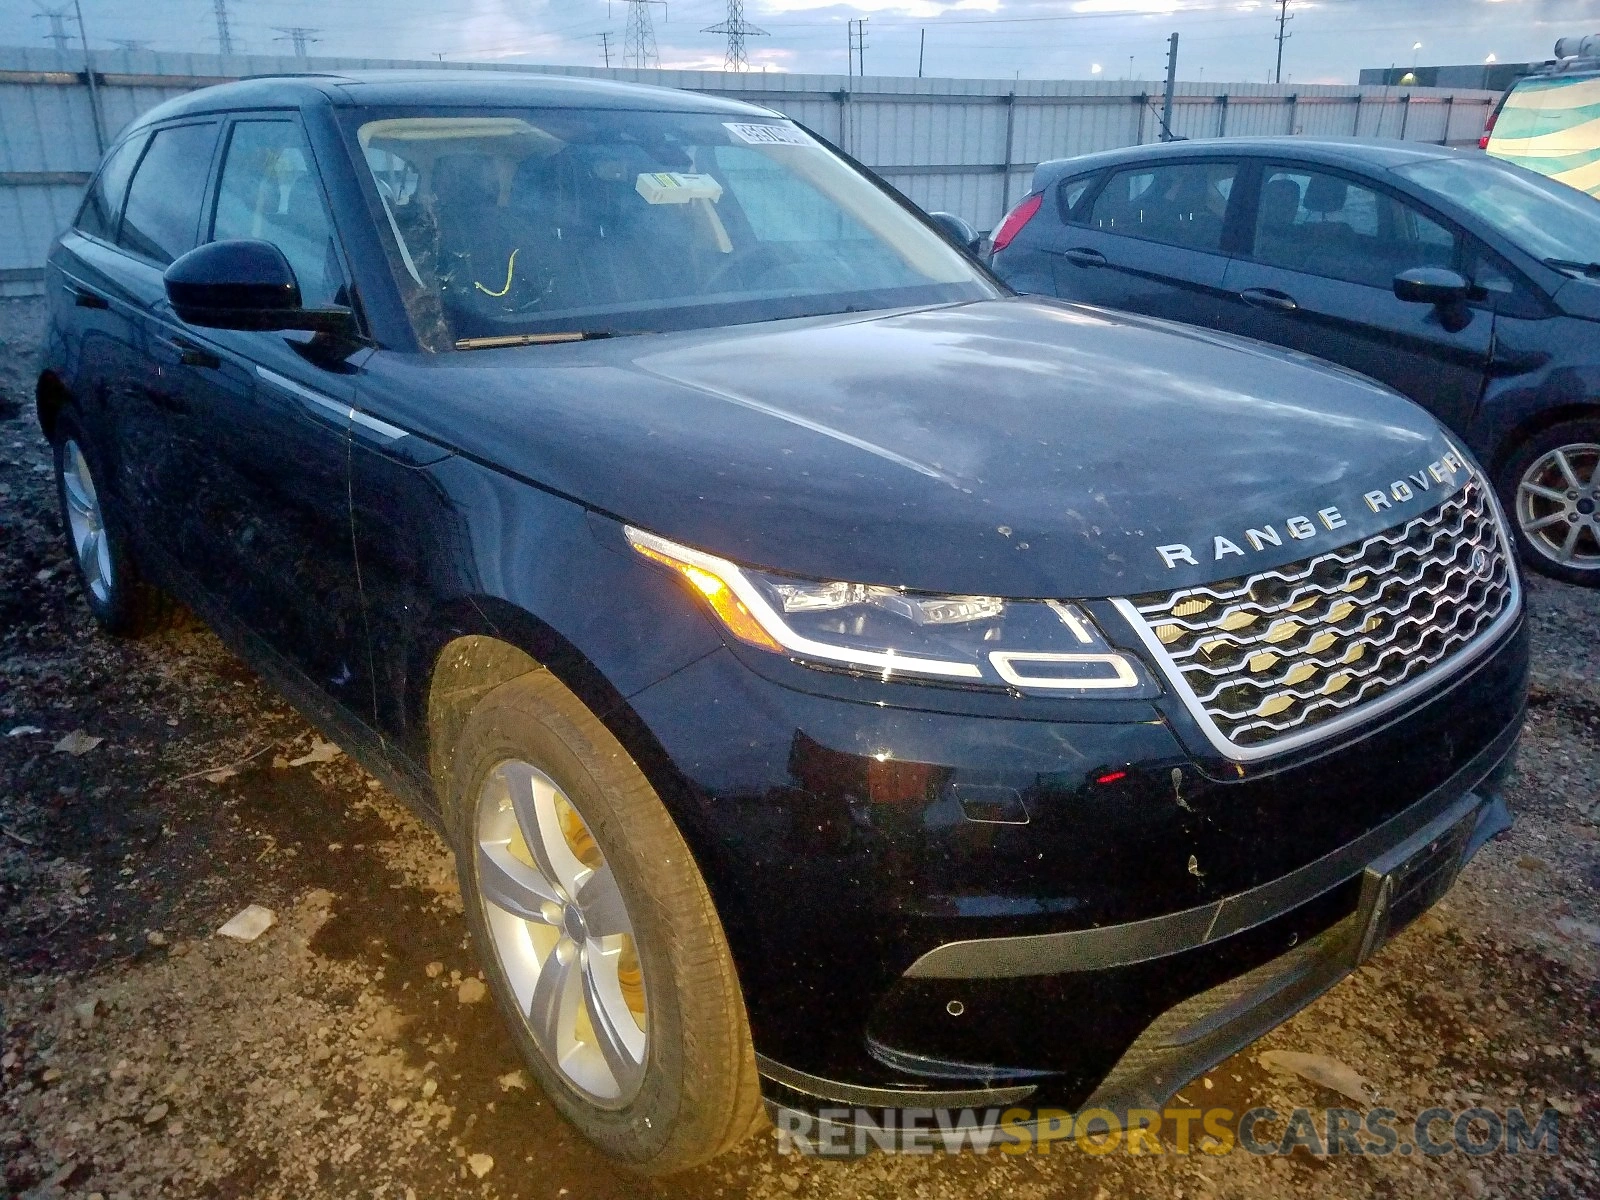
441	88
1352	152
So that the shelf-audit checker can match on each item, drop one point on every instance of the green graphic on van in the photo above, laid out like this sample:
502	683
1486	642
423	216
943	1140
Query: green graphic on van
1552	126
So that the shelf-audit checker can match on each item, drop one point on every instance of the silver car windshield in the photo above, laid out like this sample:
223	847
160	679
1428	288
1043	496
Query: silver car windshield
1546	219
540	224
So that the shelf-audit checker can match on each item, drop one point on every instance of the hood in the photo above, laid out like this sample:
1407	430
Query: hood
1016	447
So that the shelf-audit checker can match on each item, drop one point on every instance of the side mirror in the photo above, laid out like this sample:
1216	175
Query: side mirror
244	284
1431	285
957	230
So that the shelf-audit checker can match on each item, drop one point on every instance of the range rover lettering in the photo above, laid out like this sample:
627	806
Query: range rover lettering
841	681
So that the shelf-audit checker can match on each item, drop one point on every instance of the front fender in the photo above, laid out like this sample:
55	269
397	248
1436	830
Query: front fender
456	549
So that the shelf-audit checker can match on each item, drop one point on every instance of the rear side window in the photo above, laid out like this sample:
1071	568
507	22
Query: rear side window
1321	224
103	201
1069	197
1184	204
162	217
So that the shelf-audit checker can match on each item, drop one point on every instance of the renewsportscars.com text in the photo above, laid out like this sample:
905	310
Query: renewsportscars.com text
845	1132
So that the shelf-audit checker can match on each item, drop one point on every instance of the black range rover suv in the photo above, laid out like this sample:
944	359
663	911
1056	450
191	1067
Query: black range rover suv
842	682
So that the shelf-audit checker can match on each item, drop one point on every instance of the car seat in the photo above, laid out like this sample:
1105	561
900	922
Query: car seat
490	256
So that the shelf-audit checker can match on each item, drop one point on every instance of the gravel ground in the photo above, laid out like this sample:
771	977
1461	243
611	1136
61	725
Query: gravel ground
349	1052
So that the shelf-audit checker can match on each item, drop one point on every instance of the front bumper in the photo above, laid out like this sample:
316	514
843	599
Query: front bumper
1192	1036
935	909
1414	859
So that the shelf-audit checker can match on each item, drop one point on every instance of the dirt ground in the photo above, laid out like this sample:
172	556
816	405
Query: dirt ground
339	1055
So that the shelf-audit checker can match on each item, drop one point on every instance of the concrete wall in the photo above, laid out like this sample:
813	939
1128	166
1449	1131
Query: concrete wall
966	146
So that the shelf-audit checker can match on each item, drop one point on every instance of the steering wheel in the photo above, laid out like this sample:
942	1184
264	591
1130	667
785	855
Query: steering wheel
769	260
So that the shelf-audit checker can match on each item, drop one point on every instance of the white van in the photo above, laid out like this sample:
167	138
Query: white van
1550	122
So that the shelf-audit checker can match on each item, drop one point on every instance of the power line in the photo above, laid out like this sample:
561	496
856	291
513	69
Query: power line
1075	16
131	43
737	29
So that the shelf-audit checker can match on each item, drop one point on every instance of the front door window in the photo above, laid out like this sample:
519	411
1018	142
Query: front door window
1322	224
269	192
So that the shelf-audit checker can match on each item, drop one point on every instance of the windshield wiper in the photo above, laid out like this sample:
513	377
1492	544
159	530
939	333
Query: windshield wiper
535	339
1591	269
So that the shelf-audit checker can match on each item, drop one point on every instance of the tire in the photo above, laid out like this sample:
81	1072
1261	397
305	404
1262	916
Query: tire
1550	488
121	601
680	1084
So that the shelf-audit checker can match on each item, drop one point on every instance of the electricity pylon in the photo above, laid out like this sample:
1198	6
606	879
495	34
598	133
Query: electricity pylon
737	29
639	37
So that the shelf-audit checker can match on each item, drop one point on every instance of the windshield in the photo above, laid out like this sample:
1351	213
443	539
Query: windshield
1547	220
508	225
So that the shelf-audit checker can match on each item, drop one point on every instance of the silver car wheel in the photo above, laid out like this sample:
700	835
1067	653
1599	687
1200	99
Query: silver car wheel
86	521
1558	506
561	933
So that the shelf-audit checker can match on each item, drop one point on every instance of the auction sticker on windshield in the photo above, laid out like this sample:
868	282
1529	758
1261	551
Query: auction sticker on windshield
766	135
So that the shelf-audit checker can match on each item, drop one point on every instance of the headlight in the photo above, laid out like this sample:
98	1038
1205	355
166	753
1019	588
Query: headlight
1030	645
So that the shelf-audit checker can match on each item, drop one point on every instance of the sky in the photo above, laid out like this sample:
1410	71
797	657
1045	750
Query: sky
1221	40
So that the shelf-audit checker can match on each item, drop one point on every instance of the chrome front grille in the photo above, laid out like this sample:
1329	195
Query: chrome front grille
1270	657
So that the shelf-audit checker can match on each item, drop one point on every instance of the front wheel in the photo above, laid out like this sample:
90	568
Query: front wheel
1551	491
597	932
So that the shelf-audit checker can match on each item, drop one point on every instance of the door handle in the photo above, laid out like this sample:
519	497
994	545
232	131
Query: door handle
192	354
1084	257
1268	298
84	298
166	400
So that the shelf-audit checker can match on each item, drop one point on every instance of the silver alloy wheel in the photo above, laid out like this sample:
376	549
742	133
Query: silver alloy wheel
86	521
561	933
1558	506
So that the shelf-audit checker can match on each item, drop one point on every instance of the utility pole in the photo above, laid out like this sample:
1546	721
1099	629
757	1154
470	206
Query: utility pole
922	48
858	45
605	47
1172	78
58	35
224	34
737	29
639	37
1284	17
299	36
94	86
